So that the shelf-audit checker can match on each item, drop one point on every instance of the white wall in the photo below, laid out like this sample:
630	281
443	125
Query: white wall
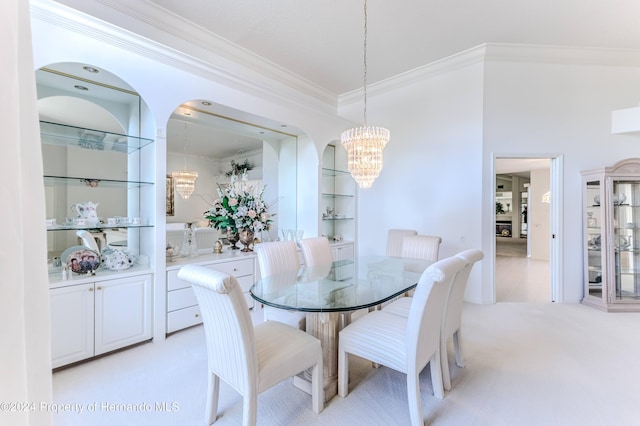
431	180
543	106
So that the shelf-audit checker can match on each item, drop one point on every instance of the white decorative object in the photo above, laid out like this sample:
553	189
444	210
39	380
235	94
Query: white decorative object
86	211
116	260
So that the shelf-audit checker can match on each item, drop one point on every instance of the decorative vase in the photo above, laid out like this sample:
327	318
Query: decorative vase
233	238
246	238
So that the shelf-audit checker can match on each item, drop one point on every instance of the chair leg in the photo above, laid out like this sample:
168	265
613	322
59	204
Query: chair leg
414	399
457	346
250	408
317	386
213	390
436	375
444	361
343	372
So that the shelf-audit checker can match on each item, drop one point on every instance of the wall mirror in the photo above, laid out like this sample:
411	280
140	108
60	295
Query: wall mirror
205	137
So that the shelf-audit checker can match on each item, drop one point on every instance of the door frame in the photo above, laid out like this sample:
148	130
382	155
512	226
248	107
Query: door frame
556	171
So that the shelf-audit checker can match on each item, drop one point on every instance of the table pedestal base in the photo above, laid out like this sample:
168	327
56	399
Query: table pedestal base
325	326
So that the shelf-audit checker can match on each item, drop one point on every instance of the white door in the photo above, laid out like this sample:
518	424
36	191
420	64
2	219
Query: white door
71	324
123	313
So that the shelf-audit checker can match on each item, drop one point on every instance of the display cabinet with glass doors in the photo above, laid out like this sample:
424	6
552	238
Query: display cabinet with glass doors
611	198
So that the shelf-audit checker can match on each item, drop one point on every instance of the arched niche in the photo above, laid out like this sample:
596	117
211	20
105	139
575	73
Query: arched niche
206	137
103	114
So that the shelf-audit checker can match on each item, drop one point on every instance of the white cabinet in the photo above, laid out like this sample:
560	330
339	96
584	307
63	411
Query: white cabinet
342	251
182	306
89	319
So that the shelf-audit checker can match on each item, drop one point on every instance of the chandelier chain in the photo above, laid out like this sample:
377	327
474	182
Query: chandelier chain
364	85
185	146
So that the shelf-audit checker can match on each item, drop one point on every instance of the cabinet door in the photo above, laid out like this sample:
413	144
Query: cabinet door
626	259
594	244
71	324
123	313
342	252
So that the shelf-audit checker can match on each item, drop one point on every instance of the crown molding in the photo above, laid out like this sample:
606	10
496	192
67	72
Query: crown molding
562	55
500	52
460	60
144	28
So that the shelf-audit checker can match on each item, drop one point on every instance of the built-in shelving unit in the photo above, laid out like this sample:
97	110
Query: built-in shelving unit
102	310
338	197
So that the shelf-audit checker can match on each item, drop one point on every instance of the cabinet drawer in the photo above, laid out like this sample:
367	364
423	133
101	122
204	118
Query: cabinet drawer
182	298
183	318
236	268
175	283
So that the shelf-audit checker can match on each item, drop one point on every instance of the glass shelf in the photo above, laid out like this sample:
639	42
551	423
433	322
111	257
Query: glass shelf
96	228
334	172
326	195
93	183
335	218
97	140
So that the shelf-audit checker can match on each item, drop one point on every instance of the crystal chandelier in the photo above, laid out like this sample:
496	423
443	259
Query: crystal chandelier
185	180
364	144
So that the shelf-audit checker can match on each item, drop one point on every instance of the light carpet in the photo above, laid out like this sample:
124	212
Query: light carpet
527	364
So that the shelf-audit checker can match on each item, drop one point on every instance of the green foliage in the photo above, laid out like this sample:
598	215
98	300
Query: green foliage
240	206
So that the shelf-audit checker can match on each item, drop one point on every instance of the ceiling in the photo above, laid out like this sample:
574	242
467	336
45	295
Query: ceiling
322	41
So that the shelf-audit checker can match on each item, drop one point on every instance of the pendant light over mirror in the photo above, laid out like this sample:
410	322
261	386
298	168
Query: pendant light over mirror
185	179
364	144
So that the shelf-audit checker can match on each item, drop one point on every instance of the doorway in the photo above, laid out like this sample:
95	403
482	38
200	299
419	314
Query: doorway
525	217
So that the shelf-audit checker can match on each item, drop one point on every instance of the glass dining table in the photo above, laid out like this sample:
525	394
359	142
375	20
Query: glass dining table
329	293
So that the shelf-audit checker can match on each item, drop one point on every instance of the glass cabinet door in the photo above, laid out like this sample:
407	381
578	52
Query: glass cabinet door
593	236
626	203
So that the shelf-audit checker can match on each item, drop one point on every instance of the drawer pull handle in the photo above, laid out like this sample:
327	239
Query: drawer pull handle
235	269
197	315
99	288
90	288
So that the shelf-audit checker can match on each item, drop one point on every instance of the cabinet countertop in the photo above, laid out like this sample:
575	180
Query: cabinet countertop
55	280
225	256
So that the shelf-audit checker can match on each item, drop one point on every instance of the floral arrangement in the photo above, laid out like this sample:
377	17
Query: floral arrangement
240	206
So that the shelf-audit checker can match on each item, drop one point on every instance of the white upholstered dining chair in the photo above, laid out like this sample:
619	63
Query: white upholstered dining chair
394	240
316	251
452	321
279	257
405	344
425	247
249	359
